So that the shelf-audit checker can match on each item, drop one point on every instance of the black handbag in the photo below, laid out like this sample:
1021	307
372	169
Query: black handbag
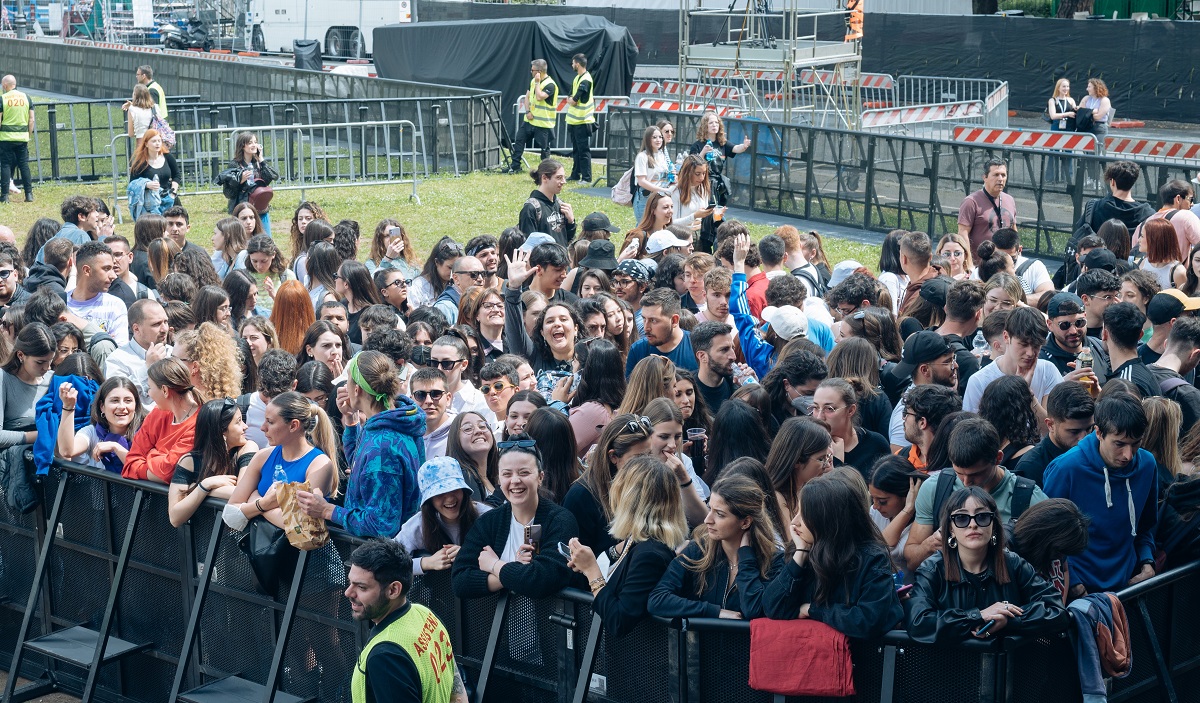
272	557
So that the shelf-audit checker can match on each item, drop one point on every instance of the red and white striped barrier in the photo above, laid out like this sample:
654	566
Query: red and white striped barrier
700	91
922	113
720	73
877	81
1026	139
674	106
997	96
1153	148
646	88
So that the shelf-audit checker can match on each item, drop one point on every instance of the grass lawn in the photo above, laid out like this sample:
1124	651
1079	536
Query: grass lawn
461	208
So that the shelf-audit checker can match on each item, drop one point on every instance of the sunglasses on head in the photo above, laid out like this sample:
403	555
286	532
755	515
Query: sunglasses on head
1078	324
517	444
639	425
434	395
962	520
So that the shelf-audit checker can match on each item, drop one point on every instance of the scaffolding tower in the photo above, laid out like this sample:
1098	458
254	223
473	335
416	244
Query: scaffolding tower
796	61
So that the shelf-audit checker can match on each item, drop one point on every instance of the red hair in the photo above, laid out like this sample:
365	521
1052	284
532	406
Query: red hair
140	157
292	315
1162	245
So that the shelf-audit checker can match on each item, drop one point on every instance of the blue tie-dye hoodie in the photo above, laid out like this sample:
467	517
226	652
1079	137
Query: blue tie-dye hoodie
384	453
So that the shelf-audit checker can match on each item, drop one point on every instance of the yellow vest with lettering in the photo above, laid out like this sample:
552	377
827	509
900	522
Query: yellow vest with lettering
542	113
161	107
423	636
582	113
14	125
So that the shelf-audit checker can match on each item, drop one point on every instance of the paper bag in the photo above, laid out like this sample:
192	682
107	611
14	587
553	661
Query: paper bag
303	531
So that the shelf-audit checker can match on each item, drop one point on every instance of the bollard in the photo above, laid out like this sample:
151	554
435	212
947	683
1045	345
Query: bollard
437	114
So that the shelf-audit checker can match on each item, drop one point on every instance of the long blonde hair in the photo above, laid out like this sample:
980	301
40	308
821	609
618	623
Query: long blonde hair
745	499
646	503
1163	421
218	356
317	428
646	384
1058	84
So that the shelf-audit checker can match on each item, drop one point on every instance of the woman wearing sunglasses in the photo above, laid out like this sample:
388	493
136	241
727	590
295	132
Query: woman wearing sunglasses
514	547
973	587
393	288
589	499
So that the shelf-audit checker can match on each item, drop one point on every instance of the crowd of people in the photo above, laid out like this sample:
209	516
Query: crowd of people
955	442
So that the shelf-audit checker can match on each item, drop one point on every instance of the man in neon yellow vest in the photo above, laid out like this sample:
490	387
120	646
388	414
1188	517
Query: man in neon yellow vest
581	119
409	657
541	114
16	124
145	76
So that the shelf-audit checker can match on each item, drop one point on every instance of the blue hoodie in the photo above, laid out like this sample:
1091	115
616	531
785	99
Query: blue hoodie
1122	504
385	453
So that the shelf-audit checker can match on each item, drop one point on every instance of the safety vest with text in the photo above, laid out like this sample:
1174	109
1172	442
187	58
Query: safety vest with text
14	124
542	113
423	636
582	112
161	107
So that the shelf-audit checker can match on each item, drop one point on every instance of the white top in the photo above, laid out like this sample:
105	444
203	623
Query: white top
655	171
412	534
896	425
107	311
895	285
141	120
256	415
470	399
685	211
516	537
1045	378
420	293
129	360
897	552
89	433
1036	275
1163	272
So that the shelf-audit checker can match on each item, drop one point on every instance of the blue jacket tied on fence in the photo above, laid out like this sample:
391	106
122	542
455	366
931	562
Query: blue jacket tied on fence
48	413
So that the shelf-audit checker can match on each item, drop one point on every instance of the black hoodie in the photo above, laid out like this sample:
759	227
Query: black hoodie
1131	212
1059	357
43	274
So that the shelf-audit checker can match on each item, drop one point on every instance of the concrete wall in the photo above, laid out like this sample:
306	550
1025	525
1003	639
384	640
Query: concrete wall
94	72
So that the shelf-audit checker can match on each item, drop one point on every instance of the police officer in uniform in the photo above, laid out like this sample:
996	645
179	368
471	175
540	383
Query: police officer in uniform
540	117
581	119
409	658
16	123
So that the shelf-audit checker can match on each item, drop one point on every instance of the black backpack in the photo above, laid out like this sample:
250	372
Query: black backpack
1069	270
815	283
1022	495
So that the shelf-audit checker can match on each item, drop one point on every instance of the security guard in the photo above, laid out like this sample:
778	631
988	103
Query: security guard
145	76
409	658
581	119
540	117
16	124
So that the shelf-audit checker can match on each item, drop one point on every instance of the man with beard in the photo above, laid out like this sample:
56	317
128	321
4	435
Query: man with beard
1068	337
486	249
713	342
927	359
925	407
409	656
630	281
660	315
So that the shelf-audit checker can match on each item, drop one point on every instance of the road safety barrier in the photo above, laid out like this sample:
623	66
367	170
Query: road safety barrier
97	567
674	106
306	156
645	88
1157	149
902	116
701	91
878	181
1027	138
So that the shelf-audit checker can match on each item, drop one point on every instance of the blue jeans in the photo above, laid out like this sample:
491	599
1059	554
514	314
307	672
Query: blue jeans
639	203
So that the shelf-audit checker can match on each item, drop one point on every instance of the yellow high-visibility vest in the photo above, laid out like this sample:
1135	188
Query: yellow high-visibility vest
14	125
542	113
583	112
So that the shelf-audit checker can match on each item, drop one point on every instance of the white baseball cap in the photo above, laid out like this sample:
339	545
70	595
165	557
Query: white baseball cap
787	320
663	240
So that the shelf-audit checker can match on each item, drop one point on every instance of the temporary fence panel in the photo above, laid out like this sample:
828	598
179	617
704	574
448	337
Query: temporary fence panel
1155	149
900	117
881	181
306	156
928	90
645	88
187	598
561	143
1026	138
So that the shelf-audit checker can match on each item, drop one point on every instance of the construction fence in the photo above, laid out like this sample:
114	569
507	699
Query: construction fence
879	182
97	568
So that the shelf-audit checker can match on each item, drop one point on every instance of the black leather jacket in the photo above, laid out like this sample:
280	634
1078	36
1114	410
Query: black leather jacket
946	611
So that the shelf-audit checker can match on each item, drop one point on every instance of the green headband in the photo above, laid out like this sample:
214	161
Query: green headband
357	377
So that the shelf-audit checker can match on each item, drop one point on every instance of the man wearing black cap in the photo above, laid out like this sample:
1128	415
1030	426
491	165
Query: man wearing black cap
928	360
1098	289
1162	311
1067	338
1180	358
597	226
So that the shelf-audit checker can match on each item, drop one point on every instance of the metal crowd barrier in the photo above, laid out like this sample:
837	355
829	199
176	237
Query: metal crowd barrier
881	182
561	143
306	156
98	568
459	135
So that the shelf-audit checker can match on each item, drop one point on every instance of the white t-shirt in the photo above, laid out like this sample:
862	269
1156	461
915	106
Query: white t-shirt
896	284
1045	378
654	170
141	120
256	415
516	537
896	425
897	552
1033	277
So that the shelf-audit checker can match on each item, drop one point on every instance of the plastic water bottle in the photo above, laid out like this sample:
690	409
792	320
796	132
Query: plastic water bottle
280	475
712	154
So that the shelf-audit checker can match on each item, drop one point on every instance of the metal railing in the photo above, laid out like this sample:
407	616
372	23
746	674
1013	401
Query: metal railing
880	182
306	156
176	610
561	142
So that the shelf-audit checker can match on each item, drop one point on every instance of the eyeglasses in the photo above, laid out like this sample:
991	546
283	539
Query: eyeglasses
421	396
475	275
492	306
445	364
224	308
824	410
962	520
517	444
1110	297
639	425
1078	324
953	254
5	274
497	387
402	282
337	276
